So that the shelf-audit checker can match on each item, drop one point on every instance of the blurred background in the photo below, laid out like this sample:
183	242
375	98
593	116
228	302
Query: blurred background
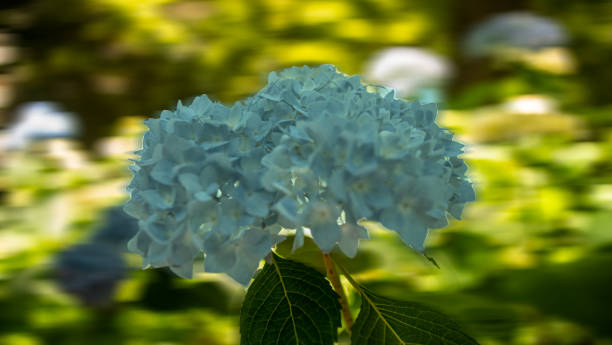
525	84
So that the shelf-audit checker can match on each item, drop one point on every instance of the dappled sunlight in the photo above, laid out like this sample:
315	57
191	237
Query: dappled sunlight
528	263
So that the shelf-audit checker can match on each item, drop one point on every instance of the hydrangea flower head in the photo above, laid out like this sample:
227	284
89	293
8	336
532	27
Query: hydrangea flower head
411	72
315	149
116	228
91	272
38	121
514	30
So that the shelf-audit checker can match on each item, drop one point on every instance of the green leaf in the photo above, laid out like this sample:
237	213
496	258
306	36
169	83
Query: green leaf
308	254
385	321
289	303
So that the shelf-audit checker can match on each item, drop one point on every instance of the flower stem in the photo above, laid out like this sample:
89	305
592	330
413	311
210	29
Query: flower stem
350	279
337	285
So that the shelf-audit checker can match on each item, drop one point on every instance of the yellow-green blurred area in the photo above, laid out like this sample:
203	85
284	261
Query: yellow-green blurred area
529	264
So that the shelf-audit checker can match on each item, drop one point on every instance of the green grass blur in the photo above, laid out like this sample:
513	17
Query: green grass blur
528	265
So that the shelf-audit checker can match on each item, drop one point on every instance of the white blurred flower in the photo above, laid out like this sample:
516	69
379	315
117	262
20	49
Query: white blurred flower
36	121
513	30
410	71
530	104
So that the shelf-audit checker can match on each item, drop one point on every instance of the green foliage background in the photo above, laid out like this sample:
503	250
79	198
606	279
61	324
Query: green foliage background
528	265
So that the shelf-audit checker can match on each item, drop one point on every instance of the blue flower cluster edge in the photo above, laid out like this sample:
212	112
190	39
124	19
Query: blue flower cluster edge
315	150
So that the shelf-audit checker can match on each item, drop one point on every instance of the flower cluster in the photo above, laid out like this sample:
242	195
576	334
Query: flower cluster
116	228
91	272
314	149
411	72
514	30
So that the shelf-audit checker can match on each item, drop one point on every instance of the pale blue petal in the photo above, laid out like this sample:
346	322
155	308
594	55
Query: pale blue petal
158	200
466	191
220	254
325	235
243	270
136	207
257	205
201	212
200	104
156	230
202	196
336	185
183	270
279	158
456	210
277	180
174	147
183	252
392	219
350	234
226	225
222	161
191	182
379	196
152	156
289	97
361	160
298	240
220	261
252	247
163	172
185	130
435	222
412	231
157	255
139	243
359	207
234	118
287	208
208	176
299	133
258	242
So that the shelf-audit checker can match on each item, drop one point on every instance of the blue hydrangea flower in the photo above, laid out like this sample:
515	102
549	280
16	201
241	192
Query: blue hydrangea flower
315	149
90	272
514	30
116	228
